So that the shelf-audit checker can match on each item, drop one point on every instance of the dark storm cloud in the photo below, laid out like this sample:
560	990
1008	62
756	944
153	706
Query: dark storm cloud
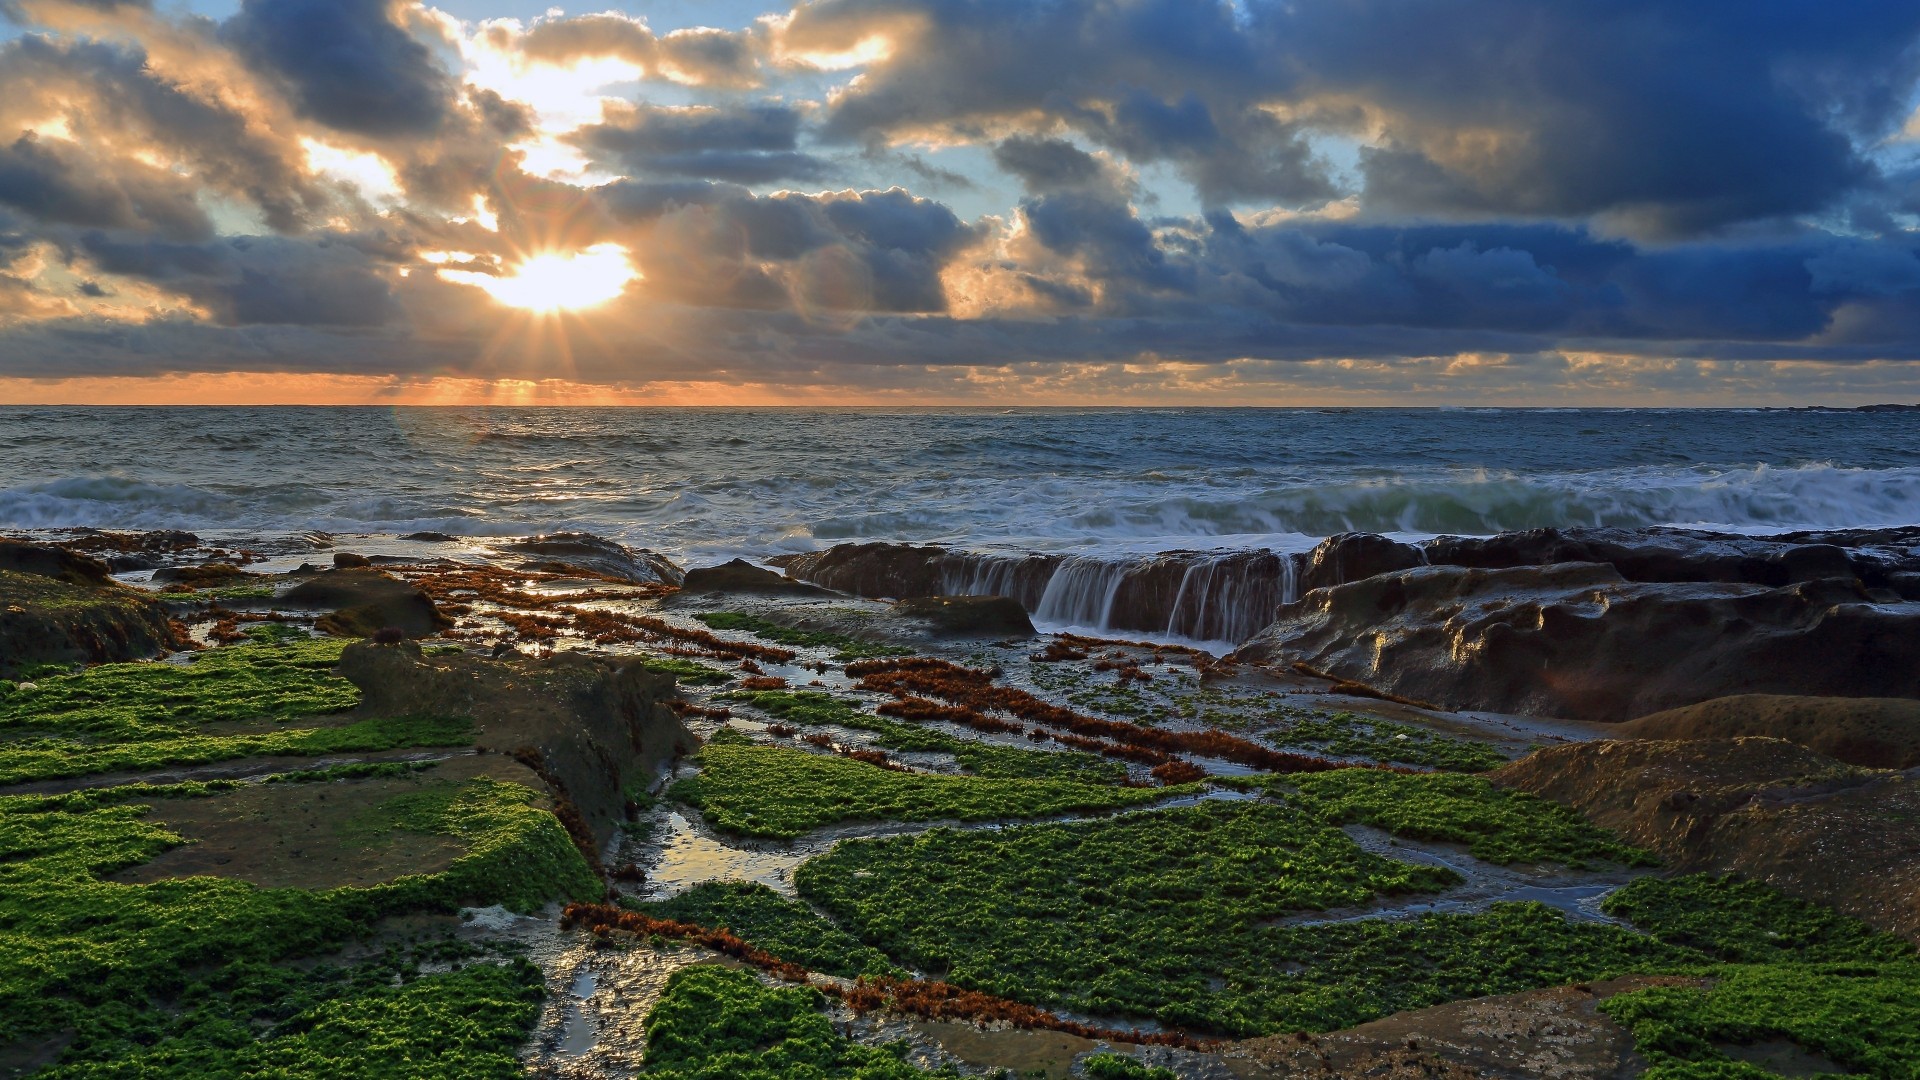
1251	183
1679	117
113	95
1674	118
721	245
54	181
345	63
333	282
749	144
1051	164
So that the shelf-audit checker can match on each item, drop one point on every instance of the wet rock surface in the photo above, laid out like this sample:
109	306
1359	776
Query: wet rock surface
1556	1033
968	616
1764	808
592	728
1576	640
741	576
63	607
1879	733
1209	596
1353	556
1872	557
574	552
364	601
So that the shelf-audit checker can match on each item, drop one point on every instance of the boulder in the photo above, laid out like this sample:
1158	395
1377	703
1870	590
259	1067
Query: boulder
1577	640
62	607
968	616
1880	733
876	571
56	563
1351	556
210	575
365	601
572	553
1874	557
1766	809
592	728
741	576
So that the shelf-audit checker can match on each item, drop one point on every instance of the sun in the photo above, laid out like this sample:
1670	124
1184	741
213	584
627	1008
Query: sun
557	281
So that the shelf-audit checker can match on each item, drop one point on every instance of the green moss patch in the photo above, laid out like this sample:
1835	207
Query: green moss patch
813	708
1169	915
376	1020
845	648
688	672
1122	1067
776	792
1746	922
766	920
1350	735
1862	1020
134	716
1498	825
716	1023
80	952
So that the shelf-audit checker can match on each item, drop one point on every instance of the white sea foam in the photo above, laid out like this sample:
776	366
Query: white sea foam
704	485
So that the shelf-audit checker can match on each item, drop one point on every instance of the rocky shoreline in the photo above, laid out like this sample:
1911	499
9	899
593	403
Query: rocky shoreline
1603	749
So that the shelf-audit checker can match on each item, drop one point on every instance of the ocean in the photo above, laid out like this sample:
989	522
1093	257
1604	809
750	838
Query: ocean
702	485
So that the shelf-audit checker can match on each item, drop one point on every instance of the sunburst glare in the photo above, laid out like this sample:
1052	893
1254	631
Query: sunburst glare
557	281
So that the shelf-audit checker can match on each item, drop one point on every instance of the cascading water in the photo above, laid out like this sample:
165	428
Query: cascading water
1201	596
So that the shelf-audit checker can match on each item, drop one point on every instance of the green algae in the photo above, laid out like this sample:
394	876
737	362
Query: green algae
122	717
1122	1067
776	792
1498	825
375	1020
716	1023
1860	1018
846	648
1741	921
52	758
81	952
813	708
766	920
1350	735
688	672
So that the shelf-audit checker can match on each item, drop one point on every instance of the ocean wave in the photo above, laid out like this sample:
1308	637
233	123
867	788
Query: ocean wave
704	485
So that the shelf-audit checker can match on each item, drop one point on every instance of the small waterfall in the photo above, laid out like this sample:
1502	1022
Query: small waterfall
1081	592
1198	595
1202	596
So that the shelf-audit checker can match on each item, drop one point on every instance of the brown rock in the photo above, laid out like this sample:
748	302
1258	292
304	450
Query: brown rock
1352	556
1768	809
1575	640
596	726
1879	733
968	616
365	601
61	607
741	576
575	552
1551	1034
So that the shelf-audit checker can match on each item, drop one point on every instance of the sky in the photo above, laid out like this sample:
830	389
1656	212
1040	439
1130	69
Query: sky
989	202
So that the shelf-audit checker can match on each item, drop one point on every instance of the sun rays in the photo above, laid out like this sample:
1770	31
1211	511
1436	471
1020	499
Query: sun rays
553	281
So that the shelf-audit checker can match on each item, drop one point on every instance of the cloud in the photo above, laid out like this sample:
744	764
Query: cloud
695	56
54	180
347	63
1096	194
748	144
